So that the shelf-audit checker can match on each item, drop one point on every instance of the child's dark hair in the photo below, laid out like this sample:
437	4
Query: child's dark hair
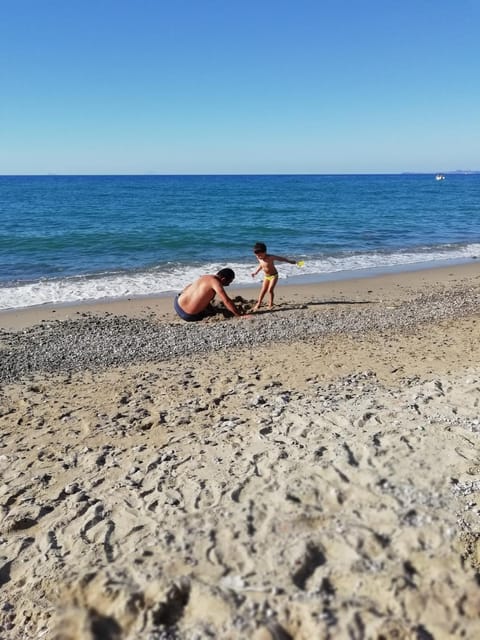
259	247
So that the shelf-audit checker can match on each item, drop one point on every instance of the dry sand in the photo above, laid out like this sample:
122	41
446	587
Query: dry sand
326	487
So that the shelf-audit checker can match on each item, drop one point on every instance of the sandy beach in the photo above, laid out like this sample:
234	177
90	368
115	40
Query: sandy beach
309	472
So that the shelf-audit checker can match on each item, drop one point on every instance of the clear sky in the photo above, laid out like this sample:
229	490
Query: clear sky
239	86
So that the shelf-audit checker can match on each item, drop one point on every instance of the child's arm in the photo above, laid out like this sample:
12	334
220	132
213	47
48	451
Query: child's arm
282	259
259	268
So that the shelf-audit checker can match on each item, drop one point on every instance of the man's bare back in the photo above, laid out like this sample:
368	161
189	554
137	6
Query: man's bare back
196	297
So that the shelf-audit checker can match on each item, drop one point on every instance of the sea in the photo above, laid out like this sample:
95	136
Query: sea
72	239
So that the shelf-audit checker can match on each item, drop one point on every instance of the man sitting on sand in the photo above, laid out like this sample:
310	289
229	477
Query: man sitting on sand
192	304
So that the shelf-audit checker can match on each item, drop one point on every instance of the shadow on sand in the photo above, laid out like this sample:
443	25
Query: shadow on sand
246	307
307	305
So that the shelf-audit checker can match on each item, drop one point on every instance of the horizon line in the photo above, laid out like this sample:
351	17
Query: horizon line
200	174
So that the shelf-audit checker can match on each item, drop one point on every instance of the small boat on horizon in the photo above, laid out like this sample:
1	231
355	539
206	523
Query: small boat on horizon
439	176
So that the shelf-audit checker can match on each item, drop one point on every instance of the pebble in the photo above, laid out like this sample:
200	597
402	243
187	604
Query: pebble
72	488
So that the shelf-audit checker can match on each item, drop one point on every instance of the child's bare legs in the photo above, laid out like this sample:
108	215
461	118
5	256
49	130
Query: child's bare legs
263	291
271	289
267	286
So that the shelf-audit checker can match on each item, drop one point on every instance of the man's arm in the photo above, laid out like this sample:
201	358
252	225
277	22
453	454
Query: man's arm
222	294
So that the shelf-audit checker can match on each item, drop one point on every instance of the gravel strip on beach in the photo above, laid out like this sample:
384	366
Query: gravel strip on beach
95	343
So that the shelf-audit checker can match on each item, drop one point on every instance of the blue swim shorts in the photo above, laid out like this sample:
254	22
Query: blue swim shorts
188	317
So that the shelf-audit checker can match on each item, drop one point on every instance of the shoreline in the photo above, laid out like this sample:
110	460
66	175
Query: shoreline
406	280
297	474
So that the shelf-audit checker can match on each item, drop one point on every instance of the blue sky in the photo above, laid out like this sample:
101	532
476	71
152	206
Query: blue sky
239	86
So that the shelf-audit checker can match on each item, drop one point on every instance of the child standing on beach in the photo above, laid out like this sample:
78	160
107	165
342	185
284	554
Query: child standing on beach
267	265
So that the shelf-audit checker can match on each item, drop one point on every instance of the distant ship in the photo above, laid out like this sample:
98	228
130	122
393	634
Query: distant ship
439	176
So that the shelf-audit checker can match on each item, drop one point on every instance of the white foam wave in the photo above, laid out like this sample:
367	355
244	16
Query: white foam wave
149	283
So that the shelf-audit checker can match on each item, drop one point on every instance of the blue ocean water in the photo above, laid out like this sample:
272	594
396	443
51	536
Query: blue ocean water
82	238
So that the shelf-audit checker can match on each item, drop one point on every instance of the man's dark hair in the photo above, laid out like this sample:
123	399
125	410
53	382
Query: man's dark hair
260	246
226	274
